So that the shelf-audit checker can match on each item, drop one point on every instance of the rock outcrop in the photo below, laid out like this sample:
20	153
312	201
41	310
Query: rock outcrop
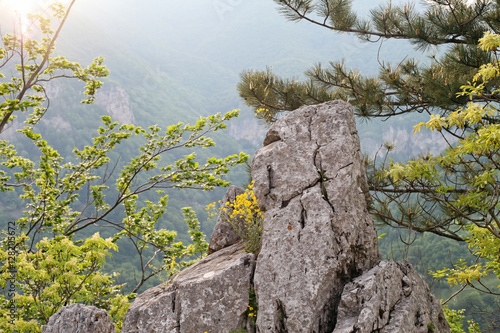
116	101
210	296
318	235
79	318
319	267
391	297
224	234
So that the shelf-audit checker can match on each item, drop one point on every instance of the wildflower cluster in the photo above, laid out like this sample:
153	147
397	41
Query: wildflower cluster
244	215
251	311
261	111
212	210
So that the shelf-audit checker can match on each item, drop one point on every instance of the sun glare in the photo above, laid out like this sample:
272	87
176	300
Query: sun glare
22	7
19	10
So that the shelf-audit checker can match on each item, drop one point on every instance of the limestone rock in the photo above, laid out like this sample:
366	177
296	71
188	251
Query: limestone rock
153	311
318	235
116	101
223	234
210	296
391	297
319	267
79	318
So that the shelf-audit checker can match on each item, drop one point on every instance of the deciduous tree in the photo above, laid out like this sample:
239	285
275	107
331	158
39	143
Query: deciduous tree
47	258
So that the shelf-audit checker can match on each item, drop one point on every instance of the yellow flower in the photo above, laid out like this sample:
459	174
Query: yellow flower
489	41
245	208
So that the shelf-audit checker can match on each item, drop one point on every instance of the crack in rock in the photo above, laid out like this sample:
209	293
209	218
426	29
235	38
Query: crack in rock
280	318
342	168
270	177
302	242
322	178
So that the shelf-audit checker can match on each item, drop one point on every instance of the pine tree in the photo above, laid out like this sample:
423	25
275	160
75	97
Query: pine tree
434	89
456	194
398	89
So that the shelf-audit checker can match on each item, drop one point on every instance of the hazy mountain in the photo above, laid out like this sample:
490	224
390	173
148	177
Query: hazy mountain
180	59
173	61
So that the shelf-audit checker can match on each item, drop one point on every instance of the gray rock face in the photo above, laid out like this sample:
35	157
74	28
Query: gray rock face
223	234
319	267
79	318
391	297
116	101
210	296
318	235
